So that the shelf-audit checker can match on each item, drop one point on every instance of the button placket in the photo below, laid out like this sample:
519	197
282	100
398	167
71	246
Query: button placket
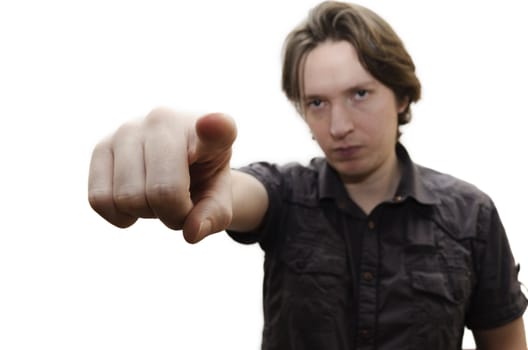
367	291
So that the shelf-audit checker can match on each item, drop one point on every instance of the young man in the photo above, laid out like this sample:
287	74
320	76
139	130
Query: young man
364	248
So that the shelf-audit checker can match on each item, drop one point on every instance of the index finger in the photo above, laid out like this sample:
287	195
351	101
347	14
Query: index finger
215	133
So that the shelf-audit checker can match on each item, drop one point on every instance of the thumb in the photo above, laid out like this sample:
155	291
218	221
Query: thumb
215	134
212	211
210	188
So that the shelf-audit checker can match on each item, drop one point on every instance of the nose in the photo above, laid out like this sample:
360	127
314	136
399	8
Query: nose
341	123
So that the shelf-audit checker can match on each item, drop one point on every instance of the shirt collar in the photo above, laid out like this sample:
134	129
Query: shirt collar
411	184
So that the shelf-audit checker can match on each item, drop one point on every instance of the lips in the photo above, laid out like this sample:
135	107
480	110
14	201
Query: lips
346	152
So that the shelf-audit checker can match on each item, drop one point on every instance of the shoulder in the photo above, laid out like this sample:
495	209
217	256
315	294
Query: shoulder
288	178
450	189
461	206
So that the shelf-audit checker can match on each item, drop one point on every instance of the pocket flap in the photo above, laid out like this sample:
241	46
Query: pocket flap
436	283
307	259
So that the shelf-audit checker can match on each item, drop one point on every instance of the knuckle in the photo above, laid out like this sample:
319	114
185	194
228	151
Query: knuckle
130	199
102	145
222	214
102	202
99	200
170	202
157	116
123	222
126	130
160	193
102	148
173	225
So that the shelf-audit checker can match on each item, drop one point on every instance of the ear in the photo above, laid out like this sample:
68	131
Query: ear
403	104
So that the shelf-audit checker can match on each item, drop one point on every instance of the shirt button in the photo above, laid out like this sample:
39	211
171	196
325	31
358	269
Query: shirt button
371	225
367	276
364	333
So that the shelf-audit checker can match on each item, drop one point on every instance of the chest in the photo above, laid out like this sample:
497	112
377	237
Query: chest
396	270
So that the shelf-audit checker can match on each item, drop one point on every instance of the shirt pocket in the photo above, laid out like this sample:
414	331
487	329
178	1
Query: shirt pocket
313	269
439	309
313	284
451	287
309	258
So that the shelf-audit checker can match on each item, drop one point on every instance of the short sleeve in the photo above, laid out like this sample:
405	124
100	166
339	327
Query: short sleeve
276	186
497	298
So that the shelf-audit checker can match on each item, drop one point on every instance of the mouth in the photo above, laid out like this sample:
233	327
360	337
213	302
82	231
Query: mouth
346	152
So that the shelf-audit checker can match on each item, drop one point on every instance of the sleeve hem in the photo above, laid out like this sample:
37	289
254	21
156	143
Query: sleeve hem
514	314
243	237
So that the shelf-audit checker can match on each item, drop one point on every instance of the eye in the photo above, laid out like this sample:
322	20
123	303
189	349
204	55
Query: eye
361	94
316	103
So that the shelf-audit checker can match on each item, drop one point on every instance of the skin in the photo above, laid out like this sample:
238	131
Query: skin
175	167
510	336
132	175
354	119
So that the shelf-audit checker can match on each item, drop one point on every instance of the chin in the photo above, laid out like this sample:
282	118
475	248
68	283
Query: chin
351	172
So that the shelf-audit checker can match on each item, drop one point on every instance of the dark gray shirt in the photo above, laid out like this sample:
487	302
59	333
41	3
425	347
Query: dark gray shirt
410	275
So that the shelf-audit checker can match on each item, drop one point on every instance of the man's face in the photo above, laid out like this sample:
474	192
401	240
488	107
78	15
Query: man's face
352	115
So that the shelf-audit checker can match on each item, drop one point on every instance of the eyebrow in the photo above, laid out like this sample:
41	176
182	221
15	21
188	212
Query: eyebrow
359	86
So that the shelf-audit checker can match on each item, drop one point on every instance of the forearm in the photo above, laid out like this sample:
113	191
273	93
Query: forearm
250	202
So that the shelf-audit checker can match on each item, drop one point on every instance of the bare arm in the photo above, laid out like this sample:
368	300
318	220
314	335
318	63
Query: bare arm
510	336
174	168
250	202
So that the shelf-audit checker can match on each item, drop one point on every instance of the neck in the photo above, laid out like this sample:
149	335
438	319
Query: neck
378	186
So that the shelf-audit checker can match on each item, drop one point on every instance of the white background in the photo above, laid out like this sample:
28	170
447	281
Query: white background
72	71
